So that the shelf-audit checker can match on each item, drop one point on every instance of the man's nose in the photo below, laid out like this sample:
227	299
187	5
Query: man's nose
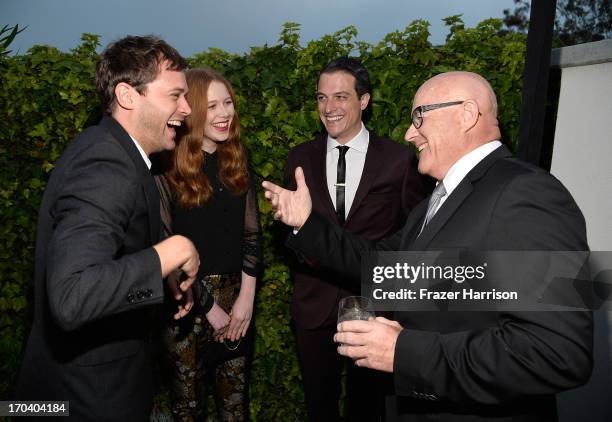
411	133
330	105
184	107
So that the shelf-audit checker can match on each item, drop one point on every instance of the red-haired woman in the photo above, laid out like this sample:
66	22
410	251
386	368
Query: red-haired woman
209	195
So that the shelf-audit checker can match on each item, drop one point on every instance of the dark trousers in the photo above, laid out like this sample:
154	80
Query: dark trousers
321	367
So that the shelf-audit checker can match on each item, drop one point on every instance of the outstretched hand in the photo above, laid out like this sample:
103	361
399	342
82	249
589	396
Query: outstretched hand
291	207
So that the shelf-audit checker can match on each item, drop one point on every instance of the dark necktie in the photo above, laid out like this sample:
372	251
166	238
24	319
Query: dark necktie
341	183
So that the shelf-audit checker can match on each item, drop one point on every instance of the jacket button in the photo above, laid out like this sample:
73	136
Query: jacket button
130	298
139	294
149	293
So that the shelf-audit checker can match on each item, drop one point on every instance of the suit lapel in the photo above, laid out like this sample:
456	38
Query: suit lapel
146	179
319	175
153	205
372	165
445	212
456	198
413	225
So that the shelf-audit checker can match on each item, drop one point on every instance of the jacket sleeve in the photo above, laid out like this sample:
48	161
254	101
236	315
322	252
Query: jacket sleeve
334	248
89	276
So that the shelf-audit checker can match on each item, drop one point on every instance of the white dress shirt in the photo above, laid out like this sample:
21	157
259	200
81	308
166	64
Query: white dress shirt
355	159
462	167
145	157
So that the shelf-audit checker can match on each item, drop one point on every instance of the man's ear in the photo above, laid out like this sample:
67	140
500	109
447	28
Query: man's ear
469	114
125	95
364	100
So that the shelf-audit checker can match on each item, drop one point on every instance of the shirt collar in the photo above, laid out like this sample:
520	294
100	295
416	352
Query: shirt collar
142	153
462	167
359	142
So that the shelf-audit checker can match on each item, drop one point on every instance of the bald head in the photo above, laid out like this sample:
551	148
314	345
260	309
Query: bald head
456	112
463	85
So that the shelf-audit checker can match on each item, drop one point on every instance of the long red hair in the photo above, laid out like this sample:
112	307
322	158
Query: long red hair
185	172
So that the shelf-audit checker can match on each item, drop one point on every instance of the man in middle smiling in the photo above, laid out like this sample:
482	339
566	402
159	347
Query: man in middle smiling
366	184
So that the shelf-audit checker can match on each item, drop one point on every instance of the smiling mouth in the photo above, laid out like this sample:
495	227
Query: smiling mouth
221	125
422	146
333	118
174	123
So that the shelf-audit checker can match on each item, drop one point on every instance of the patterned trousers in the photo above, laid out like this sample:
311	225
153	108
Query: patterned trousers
184	342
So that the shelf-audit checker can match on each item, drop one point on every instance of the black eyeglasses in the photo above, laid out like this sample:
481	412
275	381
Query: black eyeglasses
417	113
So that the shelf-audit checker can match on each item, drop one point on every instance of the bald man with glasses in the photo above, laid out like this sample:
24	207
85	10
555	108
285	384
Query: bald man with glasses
461	366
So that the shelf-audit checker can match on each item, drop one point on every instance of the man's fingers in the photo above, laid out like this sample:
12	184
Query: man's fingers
181	312
186	284
185	305
357	326
174	289
188	300
362	362
271	187
300	180
349	338
353	352
388	322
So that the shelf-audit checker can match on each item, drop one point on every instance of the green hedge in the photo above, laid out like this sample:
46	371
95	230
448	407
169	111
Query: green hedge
47	97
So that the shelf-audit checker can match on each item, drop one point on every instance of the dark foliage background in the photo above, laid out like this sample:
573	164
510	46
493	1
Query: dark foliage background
576	21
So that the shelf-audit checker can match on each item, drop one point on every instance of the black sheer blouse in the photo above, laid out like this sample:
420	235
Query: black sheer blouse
225	230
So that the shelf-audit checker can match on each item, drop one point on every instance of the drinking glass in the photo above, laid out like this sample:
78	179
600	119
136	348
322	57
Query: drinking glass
355	307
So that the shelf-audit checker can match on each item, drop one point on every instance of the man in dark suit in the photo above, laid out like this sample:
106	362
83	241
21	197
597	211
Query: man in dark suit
379	188
99	261
456	366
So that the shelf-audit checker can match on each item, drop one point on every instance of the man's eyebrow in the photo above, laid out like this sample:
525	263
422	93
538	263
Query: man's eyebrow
335	93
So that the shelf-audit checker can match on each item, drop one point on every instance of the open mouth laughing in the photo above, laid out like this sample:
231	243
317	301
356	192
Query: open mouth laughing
333	119
221	126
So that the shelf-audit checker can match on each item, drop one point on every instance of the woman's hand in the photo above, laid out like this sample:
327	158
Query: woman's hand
242	311
218	319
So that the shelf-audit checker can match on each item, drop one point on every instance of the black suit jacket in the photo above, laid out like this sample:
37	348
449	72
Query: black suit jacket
479	365
96	277
389	188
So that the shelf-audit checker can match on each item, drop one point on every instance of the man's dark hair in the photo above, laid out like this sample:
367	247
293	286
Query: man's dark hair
136	61
352	67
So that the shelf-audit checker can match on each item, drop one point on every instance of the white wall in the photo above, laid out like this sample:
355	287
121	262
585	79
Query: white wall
582	154
582	160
